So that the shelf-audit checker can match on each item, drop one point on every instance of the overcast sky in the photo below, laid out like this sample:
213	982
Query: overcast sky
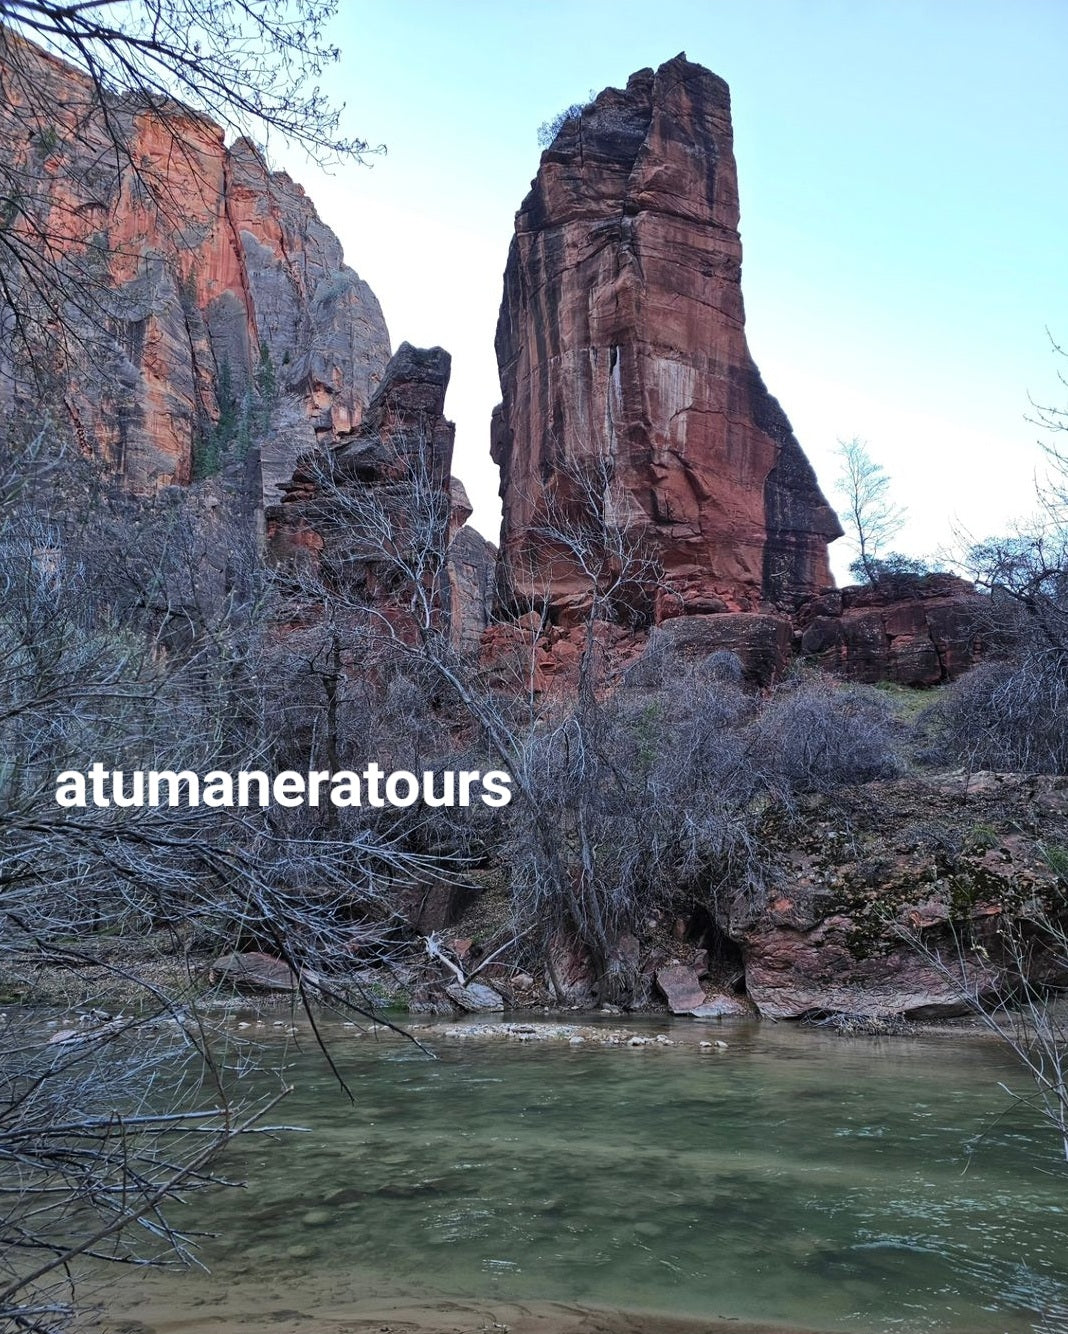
903	170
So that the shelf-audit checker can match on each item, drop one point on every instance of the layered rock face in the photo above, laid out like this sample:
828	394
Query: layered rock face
385	486
917	630
624	366
207	276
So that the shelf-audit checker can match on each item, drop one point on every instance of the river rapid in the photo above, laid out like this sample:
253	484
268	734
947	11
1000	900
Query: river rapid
792	1180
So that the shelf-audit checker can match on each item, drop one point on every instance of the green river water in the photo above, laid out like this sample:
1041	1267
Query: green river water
795	1180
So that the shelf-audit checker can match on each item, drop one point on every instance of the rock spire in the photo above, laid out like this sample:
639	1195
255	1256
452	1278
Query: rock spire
621	348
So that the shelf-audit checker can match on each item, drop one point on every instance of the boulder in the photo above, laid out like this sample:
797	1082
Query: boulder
569	966
681	988
761	643
685	995
475	997
254	971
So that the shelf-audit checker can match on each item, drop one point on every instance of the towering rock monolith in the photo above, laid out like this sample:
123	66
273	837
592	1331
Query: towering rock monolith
622	355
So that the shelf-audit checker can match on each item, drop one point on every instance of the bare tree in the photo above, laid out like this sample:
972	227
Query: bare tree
1012	711
1031	1019
251	66
549	129
88	1157
381	569
871	517
1053	419
154	653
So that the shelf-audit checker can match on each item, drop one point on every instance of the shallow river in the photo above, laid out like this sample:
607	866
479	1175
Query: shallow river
795	1180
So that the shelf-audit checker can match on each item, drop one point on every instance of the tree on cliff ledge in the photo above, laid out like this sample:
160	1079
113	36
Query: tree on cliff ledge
871	518
69	138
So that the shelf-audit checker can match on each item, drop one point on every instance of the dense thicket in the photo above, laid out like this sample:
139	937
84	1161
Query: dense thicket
139	635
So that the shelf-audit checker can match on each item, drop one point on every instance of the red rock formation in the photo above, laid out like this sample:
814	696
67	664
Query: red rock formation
201	270
915	630
395	464
621	340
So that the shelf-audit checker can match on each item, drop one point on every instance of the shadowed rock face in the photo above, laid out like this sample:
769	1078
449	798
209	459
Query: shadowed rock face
917	630
205	266
403	439
622	337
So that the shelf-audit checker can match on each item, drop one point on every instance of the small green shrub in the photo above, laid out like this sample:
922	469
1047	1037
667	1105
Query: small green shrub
1056	858
549	129
982	837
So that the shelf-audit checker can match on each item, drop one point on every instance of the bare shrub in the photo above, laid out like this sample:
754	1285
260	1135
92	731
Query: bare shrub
1011	713
815	735
1009	716
549	129
139	637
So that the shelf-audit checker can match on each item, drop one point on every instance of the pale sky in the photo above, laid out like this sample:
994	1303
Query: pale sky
903	170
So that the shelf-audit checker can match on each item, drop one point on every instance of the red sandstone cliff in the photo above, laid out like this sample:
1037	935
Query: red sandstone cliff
198	265
622	338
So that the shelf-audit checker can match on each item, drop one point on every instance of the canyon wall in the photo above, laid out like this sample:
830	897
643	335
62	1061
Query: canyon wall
204	280
624	367
208	322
